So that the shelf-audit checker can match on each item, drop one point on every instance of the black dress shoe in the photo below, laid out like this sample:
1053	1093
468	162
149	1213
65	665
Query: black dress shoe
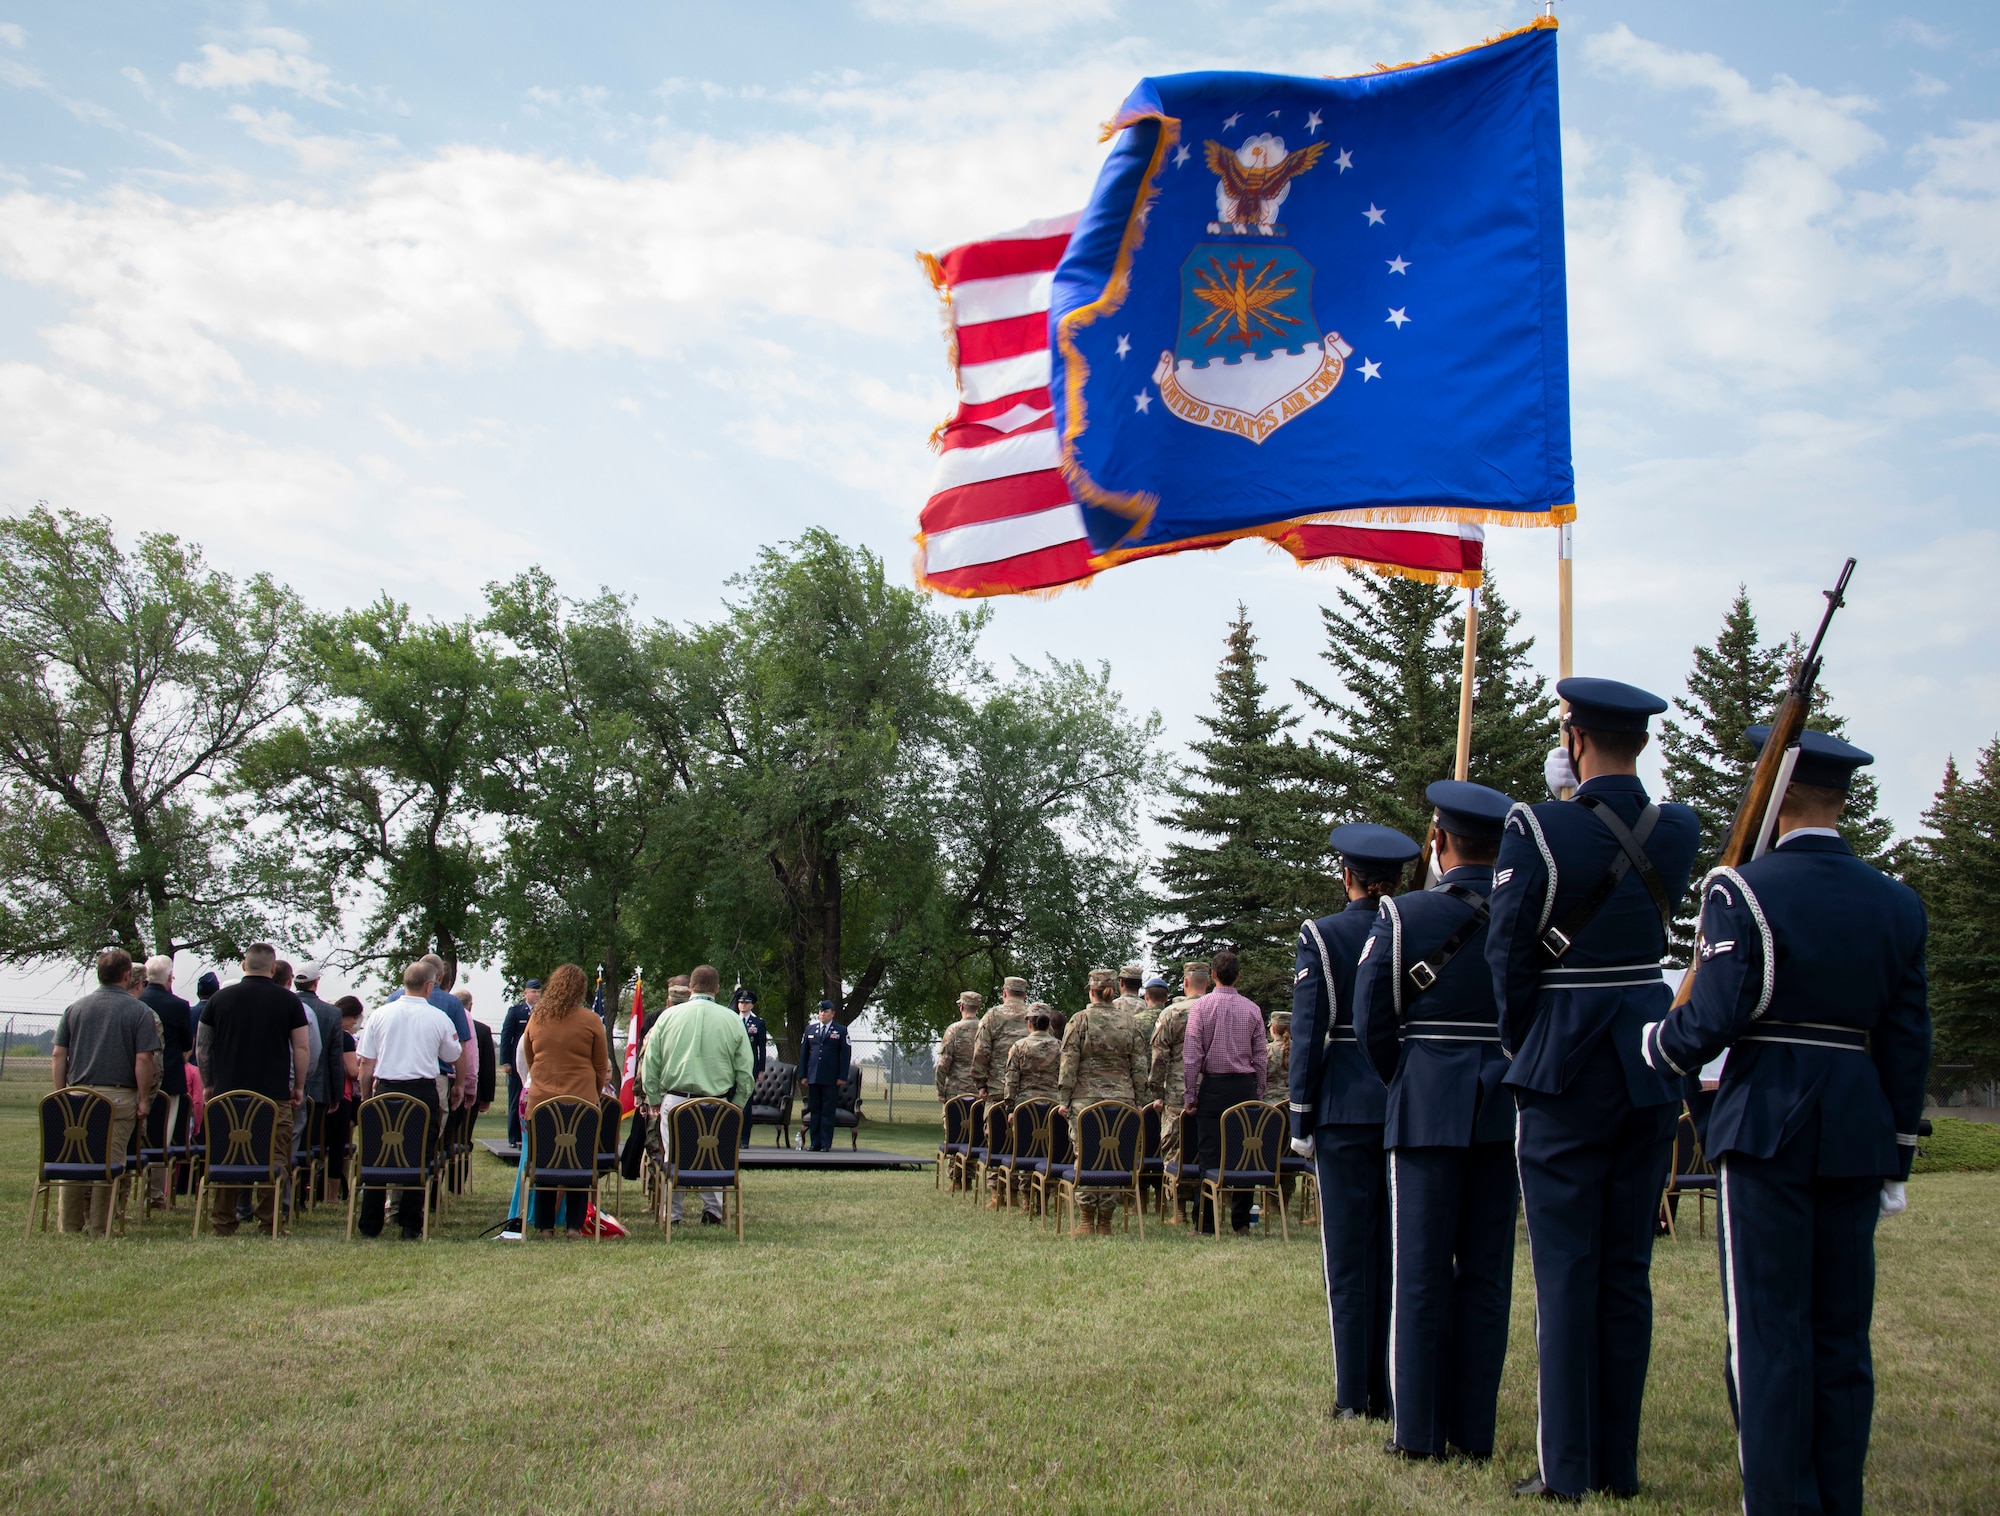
1343	1413
1459	1452
1395	1450
1533	1489
708	1220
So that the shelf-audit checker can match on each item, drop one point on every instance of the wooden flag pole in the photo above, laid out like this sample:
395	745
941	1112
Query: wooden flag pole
1464	765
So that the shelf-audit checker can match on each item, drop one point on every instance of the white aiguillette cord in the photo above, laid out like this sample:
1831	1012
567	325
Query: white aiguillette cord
1785	766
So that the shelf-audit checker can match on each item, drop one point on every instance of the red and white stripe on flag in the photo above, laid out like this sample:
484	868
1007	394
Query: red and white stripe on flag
1000	520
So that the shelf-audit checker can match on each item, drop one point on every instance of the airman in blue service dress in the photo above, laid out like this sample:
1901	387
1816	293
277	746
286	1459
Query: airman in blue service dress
1812	976
1337	1103
825	1059
1582	896
1424	1011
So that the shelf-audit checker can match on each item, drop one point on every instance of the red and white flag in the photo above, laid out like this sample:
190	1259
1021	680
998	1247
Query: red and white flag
628	1090
1000	520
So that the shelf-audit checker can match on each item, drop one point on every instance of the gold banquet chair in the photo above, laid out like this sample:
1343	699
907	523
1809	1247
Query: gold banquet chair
243	1150
1253	1136
1109	1147
392	1151
562	1153
76	1149
704	1141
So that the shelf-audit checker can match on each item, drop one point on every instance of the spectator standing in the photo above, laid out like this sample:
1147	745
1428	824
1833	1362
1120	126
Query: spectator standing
1224	1063
482	1047
510	1040
564	1054
176	1022
460	1086
204	991
401	1047
325	1079
346	1087
701	1051
253	1037
109	1044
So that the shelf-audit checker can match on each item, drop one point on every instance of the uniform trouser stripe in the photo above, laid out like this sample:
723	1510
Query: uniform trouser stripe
1798	1280
1354	1251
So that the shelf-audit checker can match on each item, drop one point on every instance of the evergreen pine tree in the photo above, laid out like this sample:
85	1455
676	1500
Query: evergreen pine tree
1958	874
1393	724
1736	684
1250	862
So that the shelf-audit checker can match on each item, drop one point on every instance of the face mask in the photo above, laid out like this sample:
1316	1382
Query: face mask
1559	772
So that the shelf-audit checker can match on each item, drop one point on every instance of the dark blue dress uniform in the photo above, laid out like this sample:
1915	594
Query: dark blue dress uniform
825	1057
1424	1011
1338	1101
1812	976
1594	1133
754	1028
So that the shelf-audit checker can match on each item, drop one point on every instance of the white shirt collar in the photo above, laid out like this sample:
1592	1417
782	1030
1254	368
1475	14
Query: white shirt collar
1808	831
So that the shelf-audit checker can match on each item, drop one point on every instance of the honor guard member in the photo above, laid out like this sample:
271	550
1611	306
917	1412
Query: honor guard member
1582	897
753	1028
1338	1102
826	1057
999	1029
1425	1015
954	1059
1811	974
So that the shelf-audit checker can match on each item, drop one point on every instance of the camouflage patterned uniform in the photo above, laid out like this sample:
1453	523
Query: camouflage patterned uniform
1166	1079
1278	1060
954	1058
1033	1065
1132	1003
999	1029
1103	1058
1146	1017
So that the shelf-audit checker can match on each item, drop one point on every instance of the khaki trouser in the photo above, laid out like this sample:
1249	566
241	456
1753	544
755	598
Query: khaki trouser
124	1112
222	1197
711	1200
156	1182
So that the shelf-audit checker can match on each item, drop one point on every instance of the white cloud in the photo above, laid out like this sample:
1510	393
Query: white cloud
995	18
286	66
316	152
12	35
1949	219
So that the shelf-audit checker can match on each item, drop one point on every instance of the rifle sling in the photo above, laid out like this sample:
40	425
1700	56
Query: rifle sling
1423	974
1631	855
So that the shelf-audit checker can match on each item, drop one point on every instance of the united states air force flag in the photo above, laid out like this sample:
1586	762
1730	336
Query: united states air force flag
1293	299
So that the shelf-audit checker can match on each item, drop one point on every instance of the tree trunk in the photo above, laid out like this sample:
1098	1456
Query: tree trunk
829	930
447	949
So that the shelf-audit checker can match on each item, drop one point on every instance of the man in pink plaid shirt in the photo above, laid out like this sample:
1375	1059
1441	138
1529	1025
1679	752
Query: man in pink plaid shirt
1224	1060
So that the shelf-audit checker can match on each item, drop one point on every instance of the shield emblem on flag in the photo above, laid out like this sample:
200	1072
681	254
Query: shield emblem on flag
1249	355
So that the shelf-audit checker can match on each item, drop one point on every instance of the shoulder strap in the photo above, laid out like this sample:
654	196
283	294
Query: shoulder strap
1424	974
1631	855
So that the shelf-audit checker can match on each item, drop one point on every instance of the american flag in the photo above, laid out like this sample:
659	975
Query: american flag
1000	520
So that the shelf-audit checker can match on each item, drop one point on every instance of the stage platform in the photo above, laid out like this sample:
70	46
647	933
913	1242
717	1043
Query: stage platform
755	1158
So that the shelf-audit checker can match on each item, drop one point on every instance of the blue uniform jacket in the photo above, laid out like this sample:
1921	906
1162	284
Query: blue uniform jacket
1332	1081
1552	856
760	1041
1810	945
825	1055
1439	1048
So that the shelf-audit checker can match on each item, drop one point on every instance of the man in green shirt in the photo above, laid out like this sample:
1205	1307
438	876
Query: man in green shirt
698	1050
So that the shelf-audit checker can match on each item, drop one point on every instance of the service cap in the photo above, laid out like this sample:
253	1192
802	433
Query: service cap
1157	983
1605	705
1469	810
1013	984
532	984
827	1005
972	998
207	985
1132	971
1364	845
1823	761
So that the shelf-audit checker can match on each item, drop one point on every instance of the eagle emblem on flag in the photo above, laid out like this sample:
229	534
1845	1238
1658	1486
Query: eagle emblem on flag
1249	355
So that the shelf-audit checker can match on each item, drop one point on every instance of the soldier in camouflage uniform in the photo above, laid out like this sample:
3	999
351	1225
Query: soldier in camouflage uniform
1103	1058
999	1029
1130	979
1032	1066
954	1059
1166	1082
1278	1059
1148	1014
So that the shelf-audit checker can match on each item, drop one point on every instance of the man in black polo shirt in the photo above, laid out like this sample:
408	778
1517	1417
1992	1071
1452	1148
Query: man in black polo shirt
253	1037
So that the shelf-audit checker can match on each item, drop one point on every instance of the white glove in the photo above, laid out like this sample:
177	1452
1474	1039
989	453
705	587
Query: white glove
1559	774
1303	1146
1894	1199
1646	1043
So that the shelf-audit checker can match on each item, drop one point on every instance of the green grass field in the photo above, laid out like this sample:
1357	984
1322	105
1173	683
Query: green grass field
872	1347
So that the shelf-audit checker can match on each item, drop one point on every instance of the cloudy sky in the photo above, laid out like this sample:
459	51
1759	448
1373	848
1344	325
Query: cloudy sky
408	297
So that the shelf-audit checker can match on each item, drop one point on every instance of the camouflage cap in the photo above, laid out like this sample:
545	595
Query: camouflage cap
1281	1019
1199	970
971	998
1041	1008
1100	977
678	994
1013	984
1133	971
